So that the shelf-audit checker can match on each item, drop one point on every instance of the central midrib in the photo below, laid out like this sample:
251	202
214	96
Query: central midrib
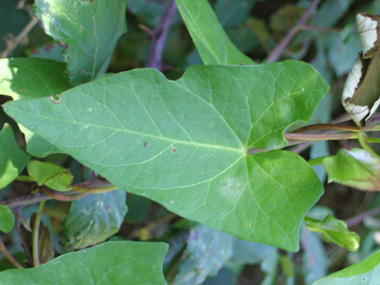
232	149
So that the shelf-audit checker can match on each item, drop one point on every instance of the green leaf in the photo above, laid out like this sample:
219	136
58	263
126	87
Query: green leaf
12	159
45	243
208	35
53	176
151	11
7	219
88	29
108	263
232	13
207	250
94	218
335	231
32	77
366	271
354	168
184	143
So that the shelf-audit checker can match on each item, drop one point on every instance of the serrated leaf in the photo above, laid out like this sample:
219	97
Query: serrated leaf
355	168
53	176
335	231
12	158
366	272
88	29
94	218
184	143
108	263
206	252
7	219
208	35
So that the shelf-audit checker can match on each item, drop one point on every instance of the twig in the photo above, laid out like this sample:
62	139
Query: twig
25	200
4	250
284	43
359	218
36	231
159	36
23	242
12	44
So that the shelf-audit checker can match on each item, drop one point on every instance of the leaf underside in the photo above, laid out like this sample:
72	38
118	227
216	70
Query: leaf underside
183	143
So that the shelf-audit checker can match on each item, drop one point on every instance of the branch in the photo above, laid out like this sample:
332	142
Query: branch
284	43
4	250
359	218
13	43
159	36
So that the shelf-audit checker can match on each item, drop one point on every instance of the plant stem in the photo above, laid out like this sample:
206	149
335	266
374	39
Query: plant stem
36	230
317	137
327	127
159	36
23	242
365	146
4	250
284	43
359	218
64	198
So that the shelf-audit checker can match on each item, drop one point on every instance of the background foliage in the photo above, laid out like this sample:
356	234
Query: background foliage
197	254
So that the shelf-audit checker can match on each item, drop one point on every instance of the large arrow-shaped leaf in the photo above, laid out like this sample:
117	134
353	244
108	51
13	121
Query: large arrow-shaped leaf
184	143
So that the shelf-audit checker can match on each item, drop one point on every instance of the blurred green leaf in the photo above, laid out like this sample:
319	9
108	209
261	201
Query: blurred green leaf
206	252
53	176
366	271
138	208
150	11
94	218
314	259
232	13
7	219
12	159
208	35
335	231
108	263
355	168
45	243
330	12
88	30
